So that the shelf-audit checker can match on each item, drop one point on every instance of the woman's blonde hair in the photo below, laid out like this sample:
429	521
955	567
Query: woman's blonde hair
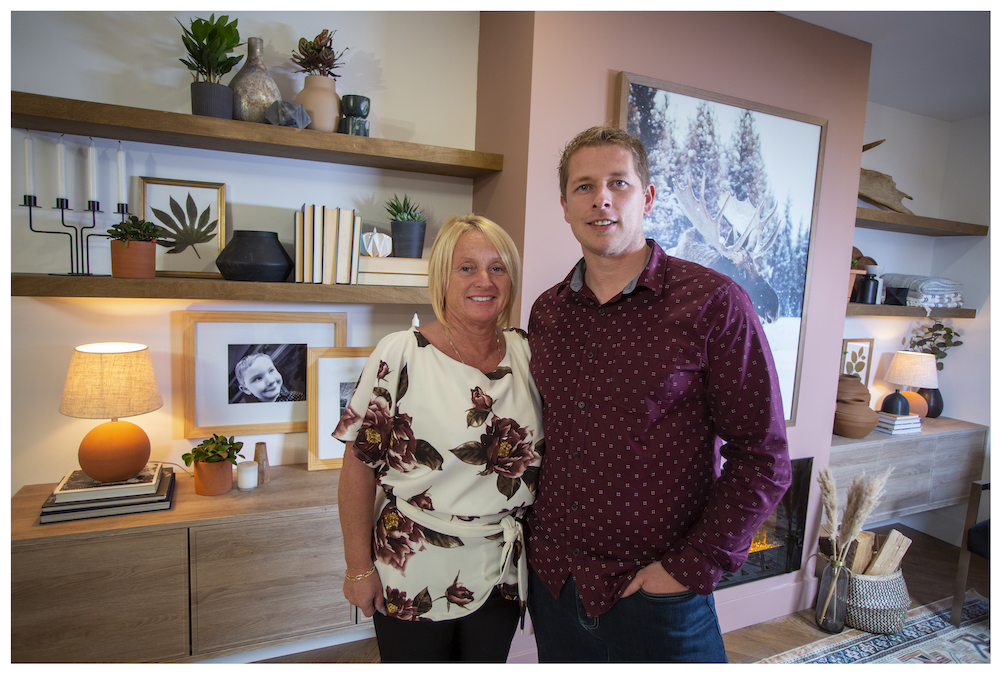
444	248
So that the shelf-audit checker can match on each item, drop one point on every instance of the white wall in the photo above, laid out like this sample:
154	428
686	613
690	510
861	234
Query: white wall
945	167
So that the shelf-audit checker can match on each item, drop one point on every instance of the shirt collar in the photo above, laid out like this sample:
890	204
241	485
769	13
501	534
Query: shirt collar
652	275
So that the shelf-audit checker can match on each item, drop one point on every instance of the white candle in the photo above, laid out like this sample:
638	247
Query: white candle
60	169
415	323
29	166
122	189
246	475
91	170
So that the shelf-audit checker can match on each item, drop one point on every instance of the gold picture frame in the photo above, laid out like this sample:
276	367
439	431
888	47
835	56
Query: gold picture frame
180	207
856	358
212	341
331	371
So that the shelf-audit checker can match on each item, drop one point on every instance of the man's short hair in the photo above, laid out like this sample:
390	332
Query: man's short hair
605	135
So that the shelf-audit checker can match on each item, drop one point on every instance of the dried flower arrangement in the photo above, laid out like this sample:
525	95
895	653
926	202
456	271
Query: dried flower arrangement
862	498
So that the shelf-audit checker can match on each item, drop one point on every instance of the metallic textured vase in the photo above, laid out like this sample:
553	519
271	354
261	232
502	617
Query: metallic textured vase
253	89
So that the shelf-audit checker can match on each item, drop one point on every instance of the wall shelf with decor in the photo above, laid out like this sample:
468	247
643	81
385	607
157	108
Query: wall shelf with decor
903	223
84	118
50	285
861	309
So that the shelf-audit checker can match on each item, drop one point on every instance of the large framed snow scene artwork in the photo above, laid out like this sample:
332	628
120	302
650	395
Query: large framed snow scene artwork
737	190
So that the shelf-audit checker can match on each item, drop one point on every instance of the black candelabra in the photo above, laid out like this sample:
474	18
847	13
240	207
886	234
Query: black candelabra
79	243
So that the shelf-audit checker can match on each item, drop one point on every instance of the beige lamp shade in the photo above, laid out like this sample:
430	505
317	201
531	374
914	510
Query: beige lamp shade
913	369
109	380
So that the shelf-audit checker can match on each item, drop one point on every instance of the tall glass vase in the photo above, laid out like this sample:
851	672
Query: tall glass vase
831	601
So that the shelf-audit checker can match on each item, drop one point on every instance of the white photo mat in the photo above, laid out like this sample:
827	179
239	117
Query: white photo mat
332	375
207	336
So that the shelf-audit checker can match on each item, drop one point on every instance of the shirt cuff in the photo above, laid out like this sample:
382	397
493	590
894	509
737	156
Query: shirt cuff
693	569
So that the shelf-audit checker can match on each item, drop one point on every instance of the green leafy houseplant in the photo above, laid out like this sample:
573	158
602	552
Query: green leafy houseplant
404	211
214	449
317	57
935	339
135	229
208	44
186	227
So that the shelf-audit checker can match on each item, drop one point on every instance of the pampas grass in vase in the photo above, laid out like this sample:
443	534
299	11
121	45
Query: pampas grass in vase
862	498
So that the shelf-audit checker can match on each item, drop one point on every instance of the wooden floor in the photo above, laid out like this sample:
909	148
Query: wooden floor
929	568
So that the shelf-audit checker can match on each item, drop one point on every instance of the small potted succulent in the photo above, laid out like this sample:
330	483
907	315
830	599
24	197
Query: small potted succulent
133	248
214	459
208	43
409	225
318	59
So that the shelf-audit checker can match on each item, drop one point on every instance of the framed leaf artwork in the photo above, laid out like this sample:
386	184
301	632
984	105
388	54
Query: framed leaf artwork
857	358
194	215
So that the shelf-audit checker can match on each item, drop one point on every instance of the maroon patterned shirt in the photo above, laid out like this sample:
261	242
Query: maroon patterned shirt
647	399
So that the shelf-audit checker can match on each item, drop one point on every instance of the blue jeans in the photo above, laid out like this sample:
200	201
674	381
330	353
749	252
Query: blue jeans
673	627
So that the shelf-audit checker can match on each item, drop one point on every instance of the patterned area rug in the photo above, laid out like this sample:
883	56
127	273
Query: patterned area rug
927	637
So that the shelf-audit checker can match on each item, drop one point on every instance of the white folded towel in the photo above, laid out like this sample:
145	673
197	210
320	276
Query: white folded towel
923	285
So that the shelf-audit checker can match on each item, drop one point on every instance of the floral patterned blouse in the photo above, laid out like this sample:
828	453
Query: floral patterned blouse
459	448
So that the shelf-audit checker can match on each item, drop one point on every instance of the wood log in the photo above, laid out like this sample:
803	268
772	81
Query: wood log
890	555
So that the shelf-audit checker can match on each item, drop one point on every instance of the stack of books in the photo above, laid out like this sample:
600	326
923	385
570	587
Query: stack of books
328	251
78	496
898	424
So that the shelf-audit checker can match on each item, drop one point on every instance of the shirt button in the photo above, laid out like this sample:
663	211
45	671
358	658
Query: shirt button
574	506
576	455
590	355
601	311
581	405
576	551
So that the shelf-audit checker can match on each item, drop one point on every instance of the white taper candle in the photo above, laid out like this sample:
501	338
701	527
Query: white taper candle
122	188
29	166
91	170
60	169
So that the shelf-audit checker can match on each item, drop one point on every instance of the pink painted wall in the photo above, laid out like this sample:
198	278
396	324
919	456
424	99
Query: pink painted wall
763	57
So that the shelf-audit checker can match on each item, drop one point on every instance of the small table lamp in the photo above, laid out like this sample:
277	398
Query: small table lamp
111	380
909	369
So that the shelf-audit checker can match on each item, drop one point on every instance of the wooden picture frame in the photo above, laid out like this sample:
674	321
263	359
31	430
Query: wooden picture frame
209	341
856	358
710	151
333	374
185	208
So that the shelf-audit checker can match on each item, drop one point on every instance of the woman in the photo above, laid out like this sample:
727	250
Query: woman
446	421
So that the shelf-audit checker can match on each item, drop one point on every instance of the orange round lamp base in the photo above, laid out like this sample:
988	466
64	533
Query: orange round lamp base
114	451
918	405
213	478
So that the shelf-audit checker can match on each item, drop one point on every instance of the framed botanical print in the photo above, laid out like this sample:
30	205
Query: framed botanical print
856	358
194	215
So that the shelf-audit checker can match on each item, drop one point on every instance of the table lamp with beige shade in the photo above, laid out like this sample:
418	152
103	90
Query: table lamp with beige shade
909	369
111	380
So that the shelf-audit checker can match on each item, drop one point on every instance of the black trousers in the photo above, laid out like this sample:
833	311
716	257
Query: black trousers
483	636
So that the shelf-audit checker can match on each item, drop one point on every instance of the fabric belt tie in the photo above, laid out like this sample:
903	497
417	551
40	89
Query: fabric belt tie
511	527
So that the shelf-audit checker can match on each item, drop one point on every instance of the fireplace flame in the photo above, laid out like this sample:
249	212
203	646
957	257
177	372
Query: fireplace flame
761	541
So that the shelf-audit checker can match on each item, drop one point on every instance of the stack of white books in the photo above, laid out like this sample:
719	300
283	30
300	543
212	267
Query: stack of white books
898	424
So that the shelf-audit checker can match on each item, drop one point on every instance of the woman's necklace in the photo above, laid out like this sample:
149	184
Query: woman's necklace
447	336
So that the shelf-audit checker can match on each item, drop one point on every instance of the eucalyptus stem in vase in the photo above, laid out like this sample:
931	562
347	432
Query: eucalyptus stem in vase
862	498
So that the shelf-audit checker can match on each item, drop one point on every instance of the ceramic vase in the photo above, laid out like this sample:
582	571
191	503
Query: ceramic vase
408	238
213	478
831	600
935	404
135	261
253	255
211	99
319	98
253	89
852	417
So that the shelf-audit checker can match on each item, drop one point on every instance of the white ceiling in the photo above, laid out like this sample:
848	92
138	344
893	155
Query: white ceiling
935	64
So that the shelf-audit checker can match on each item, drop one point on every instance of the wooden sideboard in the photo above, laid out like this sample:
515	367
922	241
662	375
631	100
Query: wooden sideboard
211	576
932	469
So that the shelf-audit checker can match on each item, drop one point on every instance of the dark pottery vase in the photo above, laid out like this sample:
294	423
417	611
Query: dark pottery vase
211	99
252	255
831	600
408	238
354	105
253	89
935	404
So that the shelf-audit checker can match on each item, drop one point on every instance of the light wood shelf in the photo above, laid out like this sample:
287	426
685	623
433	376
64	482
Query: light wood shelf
53	285
890	221
84	118
861	309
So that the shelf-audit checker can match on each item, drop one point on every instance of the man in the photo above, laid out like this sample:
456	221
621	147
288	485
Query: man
653	371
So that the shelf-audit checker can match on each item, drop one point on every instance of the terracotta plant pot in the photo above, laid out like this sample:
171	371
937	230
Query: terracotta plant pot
135	261
213	478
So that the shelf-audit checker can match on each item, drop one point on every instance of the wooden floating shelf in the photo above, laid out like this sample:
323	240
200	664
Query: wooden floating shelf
860	309
83	118
60	286
890	221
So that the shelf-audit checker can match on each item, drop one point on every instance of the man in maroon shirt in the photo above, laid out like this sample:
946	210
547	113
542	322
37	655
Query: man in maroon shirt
664	429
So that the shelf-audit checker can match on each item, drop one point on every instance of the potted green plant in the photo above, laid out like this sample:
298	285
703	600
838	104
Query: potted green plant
318	59
133	248
214	459
936	339
208	43
409	225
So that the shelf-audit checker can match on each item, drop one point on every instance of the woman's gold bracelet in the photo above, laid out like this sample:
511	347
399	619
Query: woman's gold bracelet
359	577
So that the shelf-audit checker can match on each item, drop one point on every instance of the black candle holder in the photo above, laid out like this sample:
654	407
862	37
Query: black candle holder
79	244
